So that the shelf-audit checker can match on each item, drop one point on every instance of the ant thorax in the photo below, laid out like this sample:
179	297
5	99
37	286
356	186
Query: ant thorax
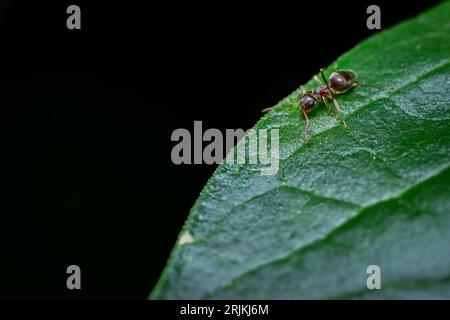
323	91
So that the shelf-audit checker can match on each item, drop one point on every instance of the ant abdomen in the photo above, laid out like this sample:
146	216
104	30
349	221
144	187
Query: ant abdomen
342	81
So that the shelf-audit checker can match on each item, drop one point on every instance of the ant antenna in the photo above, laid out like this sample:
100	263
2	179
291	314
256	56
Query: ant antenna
372	86
290	104
268	109
293	103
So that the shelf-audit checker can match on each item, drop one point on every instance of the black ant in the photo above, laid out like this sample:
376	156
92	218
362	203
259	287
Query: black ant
339	83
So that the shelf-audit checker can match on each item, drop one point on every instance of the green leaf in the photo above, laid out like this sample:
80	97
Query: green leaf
377	193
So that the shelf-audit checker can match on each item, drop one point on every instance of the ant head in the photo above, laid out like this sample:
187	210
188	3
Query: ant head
342	80
308	100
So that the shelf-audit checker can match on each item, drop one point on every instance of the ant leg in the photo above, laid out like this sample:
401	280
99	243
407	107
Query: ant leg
323	77
336	104
307	126
348	89
325	101
318	82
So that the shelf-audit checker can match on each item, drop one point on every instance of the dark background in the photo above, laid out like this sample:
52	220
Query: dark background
88	117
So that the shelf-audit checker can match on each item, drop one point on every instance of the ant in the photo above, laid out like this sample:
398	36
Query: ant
339	83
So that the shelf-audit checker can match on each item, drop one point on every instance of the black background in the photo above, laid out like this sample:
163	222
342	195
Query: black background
88	116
